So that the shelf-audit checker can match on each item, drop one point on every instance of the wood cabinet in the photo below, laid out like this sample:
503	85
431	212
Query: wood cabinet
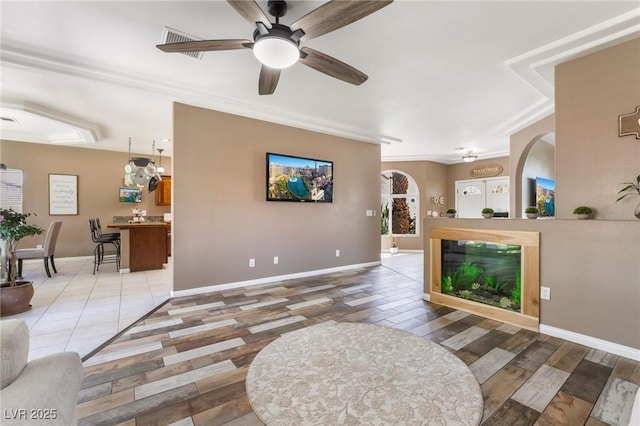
148	248
144	245
163	192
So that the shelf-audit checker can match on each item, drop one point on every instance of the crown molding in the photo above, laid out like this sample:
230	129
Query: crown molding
22	57
536	67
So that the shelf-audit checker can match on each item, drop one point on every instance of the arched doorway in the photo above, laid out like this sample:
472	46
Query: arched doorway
400	204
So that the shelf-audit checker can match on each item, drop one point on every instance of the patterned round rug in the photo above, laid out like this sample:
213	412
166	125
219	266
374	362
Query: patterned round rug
354	374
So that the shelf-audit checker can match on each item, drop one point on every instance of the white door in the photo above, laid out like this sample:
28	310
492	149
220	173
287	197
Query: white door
497	191
470	198
475	194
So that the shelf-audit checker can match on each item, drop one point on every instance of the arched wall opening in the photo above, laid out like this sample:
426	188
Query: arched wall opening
536	169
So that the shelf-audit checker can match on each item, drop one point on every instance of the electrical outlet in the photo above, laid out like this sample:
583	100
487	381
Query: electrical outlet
275	260
252	263
39	246
337	253
545	293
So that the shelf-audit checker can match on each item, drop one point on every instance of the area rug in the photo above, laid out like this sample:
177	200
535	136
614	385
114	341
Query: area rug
361	374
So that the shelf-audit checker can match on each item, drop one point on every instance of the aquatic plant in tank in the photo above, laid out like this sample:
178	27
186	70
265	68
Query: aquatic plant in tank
484	272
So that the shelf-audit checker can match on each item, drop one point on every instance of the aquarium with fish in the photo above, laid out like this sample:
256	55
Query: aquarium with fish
483	272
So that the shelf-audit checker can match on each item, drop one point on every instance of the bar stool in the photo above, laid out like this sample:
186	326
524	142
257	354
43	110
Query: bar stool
114	235
99	255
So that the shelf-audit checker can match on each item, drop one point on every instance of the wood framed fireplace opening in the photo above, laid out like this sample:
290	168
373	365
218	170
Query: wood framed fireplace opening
491	273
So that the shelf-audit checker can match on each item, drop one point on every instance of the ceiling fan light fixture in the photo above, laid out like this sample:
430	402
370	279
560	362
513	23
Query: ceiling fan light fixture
276	52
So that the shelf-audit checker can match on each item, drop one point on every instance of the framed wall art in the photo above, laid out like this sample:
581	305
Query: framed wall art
63	195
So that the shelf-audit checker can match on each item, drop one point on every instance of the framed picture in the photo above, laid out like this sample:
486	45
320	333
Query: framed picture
63	195
130	195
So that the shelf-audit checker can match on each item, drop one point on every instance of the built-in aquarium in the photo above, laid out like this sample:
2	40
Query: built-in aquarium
483	272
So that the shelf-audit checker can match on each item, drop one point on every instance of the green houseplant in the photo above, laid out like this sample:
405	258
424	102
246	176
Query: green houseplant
531	212
631	188
583	212
451	213
15	295
487	212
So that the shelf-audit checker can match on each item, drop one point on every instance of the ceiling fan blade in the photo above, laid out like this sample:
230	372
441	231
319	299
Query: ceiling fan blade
336	14
205	45
250	11
331	66
268	80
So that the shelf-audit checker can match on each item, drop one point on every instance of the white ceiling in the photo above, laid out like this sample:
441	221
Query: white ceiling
443	75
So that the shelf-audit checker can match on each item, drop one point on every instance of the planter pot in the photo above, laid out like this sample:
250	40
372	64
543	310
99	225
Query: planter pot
14	300
583	216
637	211
532	215
451	215
487	215
393	250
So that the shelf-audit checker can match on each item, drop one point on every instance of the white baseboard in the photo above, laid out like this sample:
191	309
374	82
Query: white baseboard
266	280
582	339
592	342
39	260
125	270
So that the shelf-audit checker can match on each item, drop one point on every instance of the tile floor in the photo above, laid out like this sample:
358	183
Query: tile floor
75	310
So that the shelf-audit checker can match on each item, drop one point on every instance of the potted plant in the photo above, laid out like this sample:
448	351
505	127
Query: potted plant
15	295
487	212
531	212
394	247
451	213
583	212
631	188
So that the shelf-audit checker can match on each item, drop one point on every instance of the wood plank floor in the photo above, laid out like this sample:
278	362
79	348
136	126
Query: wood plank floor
186	363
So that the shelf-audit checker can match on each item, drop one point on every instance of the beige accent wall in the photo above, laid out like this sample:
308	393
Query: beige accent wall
591	267
100	174
592	160
221	218
431	180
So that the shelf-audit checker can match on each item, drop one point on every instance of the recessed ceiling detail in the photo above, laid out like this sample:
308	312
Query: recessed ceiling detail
38	123
536	67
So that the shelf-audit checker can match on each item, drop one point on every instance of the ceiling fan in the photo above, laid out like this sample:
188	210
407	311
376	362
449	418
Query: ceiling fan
277	46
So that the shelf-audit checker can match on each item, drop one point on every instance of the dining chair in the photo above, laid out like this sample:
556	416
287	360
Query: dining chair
47	252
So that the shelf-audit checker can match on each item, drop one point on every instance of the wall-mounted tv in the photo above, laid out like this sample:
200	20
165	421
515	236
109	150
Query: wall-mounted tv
546	196
291	178
130	195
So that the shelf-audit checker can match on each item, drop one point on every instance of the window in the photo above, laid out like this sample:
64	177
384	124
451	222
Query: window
399	210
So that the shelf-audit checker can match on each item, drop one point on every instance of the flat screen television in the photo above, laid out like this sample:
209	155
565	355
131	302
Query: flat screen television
299	179
130	195
546	196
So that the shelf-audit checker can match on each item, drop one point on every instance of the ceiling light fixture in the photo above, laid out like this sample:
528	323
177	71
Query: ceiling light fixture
278	47
469	157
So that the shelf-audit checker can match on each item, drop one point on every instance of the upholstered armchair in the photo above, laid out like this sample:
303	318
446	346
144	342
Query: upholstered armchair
43	391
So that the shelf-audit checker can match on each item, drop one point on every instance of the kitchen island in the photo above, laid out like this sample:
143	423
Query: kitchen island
143	245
